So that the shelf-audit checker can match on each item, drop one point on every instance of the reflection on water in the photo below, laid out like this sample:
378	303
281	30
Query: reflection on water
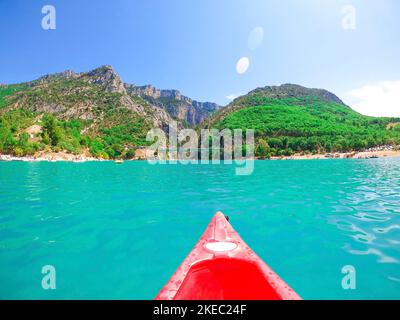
374	203
123	230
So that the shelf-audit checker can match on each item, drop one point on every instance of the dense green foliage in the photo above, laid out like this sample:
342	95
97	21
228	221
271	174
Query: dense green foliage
10	141
55	136
115	141
115	133
308	124
119	135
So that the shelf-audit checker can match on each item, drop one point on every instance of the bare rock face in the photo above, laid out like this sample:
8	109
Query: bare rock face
90	95
67	74
174	94
165	103
147	90
49	108
128	103
177	105
106	77
161	119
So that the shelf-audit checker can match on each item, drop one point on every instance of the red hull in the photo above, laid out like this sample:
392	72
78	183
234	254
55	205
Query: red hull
222	267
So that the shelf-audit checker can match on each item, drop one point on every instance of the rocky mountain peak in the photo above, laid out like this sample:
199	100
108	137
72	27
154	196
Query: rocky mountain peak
106	77
105	69
67	74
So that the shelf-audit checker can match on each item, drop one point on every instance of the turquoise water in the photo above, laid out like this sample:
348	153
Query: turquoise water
120	231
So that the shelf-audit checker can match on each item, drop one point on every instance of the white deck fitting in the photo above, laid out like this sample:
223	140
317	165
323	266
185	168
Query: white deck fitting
221	246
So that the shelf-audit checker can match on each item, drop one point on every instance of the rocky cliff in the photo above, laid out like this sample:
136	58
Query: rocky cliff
92	110
61	92
177	105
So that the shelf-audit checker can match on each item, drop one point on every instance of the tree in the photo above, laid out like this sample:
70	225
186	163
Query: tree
285	142
52	129
9	143
262	148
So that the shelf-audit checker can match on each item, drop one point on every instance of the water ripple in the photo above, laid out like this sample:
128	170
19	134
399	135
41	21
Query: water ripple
114	227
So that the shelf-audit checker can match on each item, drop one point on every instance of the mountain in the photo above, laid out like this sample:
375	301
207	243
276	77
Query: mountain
93	112
177	105
89	95
96	113
291	118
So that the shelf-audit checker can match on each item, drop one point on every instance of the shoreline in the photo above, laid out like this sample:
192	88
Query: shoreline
50	157
343	155
66	157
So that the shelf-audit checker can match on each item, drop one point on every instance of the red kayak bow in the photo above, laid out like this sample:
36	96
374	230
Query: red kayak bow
222	267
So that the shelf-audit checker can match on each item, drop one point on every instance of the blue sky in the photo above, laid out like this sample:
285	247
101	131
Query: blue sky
194	46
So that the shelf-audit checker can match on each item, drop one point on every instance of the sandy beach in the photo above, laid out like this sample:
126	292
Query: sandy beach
50	157
343	155
67	157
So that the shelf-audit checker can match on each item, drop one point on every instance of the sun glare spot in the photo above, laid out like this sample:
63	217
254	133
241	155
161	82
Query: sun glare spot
242	65
255	38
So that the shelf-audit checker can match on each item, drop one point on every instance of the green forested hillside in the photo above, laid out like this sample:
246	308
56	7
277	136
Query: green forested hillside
93	113
75	116
114	138
308	122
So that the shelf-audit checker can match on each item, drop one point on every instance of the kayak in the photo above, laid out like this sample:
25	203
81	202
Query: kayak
222	267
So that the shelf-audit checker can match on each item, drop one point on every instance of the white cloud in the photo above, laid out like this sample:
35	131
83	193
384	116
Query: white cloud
380	99
233	96
255	38
242	65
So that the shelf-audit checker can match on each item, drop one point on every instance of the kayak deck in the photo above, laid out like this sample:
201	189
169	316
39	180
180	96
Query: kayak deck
222	267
